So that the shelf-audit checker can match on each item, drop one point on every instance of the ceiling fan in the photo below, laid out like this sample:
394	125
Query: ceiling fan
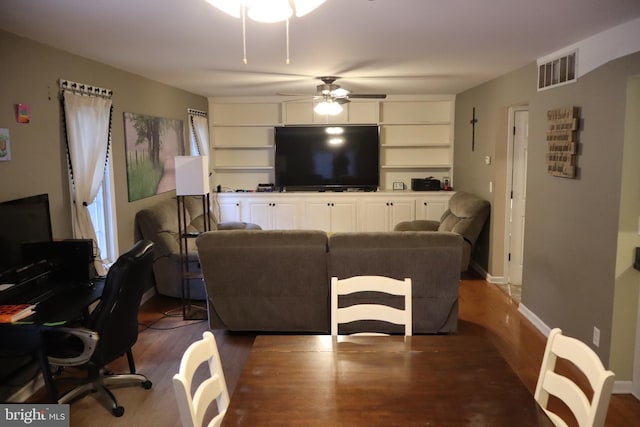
331	92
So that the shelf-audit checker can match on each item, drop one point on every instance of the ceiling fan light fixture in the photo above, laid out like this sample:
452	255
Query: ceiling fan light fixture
328	108
267	11
270	11
339	92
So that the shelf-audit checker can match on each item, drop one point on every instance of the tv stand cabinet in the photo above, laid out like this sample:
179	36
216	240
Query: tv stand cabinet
331	212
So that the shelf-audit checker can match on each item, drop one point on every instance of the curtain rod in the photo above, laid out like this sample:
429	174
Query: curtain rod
194	112
85	89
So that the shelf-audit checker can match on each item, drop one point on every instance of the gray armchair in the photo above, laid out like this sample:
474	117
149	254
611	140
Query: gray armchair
466	216
159	223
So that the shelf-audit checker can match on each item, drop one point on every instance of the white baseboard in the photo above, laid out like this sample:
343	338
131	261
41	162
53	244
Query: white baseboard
535	320
147	295
27	390
619	387
498	280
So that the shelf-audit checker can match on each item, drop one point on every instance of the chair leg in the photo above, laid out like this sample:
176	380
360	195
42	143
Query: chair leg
132	365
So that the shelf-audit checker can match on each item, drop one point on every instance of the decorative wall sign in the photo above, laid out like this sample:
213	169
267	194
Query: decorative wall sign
151	143
5	145
562	141
23	113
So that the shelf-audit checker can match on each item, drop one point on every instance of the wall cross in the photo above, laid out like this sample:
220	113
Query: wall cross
473	130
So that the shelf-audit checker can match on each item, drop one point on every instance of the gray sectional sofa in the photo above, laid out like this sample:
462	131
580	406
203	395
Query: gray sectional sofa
278	281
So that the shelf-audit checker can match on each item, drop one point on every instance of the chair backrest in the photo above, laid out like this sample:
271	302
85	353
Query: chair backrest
588	413
194	406
370	311
115	318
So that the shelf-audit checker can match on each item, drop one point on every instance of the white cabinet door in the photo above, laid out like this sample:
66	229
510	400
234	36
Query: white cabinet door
375	215
317	215
259	212
384	214
343	216
401	210
330	215
229	210
273	214
284	215
430	208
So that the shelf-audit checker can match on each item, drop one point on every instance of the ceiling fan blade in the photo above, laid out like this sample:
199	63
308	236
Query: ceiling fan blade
367	95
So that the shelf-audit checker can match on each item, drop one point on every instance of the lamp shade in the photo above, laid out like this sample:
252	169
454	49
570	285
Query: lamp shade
192	175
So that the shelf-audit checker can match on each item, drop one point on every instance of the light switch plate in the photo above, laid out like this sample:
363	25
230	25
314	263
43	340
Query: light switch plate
398	185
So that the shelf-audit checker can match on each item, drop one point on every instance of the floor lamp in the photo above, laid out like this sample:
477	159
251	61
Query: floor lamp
192	179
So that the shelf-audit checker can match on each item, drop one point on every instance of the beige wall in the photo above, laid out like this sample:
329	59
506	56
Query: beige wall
571	235
29	74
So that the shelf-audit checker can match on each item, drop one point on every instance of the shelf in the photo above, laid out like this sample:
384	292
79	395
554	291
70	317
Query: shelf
242	147
425	123
439	145
247	125
425	166
243	168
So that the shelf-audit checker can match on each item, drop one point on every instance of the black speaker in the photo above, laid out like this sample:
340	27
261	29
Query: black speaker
425	184
70	260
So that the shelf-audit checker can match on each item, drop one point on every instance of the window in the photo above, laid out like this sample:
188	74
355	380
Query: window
103	216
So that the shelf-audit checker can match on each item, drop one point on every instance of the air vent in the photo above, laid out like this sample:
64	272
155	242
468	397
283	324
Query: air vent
558	71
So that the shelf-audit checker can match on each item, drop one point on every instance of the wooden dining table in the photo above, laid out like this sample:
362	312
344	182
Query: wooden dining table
321	380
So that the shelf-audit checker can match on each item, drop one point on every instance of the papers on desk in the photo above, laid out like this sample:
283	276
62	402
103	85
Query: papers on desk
11	313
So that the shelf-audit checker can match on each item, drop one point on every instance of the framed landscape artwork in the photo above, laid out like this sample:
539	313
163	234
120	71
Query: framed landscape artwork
151	145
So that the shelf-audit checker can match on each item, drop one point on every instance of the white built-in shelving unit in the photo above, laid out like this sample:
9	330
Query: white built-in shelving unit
416	136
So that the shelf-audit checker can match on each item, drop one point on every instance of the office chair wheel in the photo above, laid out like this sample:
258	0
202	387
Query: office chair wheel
118	411
147	385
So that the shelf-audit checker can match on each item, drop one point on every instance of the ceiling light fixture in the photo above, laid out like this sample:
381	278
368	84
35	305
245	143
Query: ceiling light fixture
328	107
266	11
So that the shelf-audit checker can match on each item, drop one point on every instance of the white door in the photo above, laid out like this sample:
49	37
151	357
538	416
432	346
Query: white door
518	194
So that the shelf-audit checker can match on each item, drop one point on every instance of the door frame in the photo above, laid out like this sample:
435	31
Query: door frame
509	182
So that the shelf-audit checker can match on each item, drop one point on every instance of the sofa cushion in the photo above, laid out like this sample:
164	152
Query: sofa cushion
266	280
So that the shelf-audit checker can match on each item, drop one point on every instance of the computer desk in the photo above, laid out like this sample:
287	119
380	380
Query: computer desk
69	304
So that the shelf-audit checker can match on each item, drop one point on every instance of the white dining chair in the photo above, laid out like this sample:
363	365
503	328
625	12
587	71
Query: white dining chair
588	412
369	311
193	407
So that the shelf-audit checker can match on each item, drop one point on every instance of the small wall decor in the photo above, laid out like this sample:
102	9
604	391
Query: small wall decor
23	113
5	145
151	145
562	141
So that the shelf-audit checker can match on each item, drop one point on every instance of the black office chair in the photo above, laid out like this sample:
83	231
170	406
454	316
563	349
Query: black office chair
109	332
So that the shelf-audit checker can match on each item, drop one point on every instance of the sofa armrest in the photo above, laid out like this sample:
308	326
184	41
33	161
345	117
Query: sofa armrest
417	225
237	225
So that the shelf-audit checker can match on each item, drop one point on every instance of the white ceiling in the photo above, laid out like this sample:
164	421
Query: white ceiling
375	46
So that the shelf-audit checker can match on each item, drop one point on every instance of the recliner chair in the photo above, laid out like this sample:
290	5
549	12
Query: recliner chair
109	332
466	216
159	223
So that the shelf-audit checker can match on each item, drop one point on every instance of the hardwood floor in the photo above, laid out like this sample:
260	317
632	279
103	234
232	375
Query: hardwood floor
484	309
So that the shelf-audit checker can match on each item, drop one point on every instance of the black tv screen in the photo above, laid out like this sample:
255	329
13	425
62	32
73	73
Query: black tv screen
22	220
327	158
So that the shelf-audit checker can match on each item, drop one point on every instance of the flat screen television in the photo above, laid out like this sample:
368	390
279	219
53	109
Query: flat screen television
22	220
327	158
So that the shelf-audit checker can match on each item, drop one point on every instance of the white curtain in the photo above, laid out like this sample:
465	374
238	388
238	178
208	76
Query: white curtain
88	121
200	129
